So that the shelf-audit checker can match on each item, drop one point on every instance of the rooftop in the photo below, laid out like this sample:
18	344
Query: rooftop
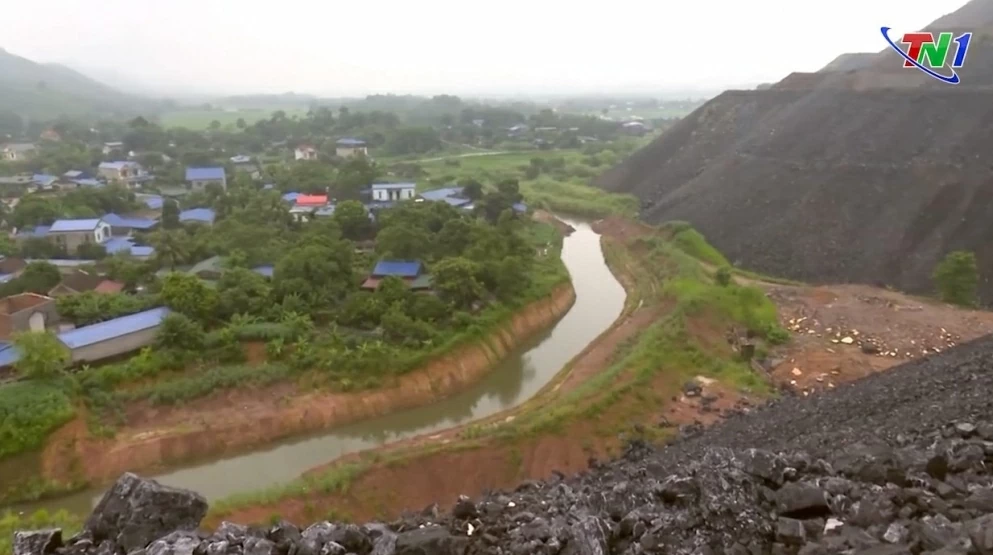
112	329
438	194
135	223
18	147
398	268
241	159
381	186
266	270
349	141
43	179
118	165
311	200
203	215
204	174
291	197
22	301
153	202
69	226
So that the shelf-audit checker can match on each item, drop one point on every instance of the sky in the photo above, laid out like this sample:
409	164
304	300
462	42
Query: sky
343	48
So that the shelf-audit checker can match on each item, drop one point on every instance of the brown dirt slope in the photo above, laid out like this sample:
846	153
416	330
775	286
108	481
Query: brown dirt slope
828	178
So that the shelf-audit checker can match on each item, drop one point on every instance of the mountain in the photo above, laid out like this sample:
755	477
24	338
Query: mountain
46	91
870	174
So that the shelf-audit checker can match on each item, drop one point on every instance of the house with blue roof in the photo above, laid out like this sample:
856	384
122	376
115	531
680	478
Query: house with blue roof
124	225
348	146
389	192
449	195
198	215
201	178
410	271
71	234
103	340
44	180
126	245
152	202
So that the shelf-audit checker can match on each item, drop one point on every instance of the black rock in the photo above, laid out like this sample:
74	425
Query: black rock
802	501
429	540
790	531
135	511
38	542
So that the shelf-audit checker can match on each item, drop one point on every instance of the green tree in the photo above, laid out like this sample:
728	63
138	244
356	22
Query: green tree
180	332
243	291
42	355
403	242
353	220
189	295
455	281
91	251
319	273
40	277
471	189
171	247
170	214
957	277
723	276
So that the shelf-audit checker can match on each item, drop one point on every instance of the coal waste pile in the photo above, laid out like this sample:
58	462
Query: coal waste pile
898	463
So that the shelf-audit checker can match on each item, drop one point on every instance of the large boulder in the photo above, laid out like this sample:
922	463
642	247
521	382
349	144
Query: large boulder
137	511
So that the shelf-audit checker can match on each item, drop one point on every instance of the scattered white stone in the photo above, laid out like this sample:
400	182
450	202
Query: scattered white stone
834	341
796	372
831	524
469	529
792	382
847	340
511	504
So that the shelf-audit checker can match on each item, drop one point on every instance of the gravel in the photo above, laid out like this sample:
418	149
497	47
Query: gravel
897	463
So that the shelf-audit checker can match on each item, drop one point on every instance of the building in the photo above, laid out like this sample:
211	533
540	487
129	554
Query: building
152	202
126	245
76	281
16	152
26	312
198	215
200	178
10	268
517	130
121	171
44	181
122	225
245	164
410	271
384	192
73	233
114	337
305	152
111	147
350	147
311	200
448	195
634	128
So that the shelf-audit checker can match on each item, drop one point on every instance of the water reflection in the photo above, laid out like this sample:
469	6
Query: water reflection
599	301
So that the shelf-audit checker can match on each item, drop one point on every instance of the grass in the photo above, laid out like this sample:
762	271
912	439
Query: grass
200	119
29	411
576	199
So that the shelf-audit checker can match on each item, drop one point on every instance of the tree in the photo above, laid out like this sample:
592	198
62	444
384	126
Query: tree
170	214
957	278
242	291
91	251
319	272
189	295
42	355
455	281
353	220
403	242
471	189
723	276
171	247
178	331
454	238
40	277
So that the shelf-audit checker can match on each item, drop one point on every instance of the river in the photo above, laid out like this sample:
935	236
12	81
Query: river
599	301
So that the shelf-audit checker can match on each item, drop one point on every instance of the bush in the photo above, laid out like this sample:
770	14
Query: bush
179	331
723	276
776	335
957	278
29	411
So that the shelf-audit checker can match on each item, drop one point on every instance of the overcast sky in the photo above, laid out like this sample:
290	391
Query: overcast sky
335	47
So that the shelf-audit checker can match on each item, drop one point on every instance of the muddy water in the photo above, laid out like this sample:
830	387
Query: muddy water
599	301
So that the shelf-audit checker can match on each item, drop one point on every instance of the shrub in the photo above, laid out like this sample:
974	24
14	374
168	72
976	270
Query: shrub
29	411
957	278
776	335
723	276
179	331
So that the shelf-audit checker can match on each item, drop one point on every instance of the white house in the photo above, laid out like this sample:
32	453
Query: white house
15	152
305	152
350	147
384	192
110	147
119	171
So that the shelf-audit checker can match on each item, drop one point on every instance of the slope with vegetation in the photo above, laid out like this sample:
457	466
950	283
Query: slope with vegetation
822	179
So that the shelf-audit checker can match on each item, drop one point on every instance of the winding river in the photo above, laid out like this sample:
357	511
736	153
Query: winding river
599	301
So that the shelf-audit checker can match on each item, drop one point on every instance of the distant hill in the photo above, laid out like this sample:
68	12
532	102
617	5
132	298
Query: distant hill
46	91
870	174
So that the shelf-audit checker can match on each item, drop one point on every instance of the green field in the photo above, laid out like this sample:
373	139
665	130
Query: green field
200	119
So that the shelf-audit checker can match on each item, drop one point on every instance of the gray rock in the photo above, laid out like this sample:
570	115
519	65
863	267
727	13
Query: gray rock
135	511
802	501
176	543
37	542
790	531
429	540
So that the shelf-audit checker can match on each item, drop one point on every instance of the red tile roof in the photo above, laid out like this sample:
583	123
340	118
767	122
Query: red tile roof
312	200
109	286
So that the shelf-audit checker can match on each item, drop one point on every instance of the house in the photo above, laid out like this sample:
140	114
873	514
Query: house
448	195
51	135
209	269
126	245
112	146
305	152
77	281
16	152
198	215
75	175
311	200
121	171
410	271
122	225
10	268
291	197
200	178
324	211
44	181
302	213
634	128
393	191
245	164
517	130
114	337
73	233
26	312
350	147
152	202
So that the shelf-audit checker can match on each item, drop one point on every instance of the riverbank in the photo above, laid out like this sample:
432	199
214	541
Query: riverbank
615	389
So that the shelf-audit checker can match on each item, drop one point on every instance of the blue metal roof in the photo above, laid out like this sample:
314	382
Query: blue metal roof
456	201
439	194
142	251
266	270
205	215
74	225
43	179
381	186
348	141
8	354
153	202
399	268
291	197
36	231
136	223
4	278
520	207
117	244
112	329
204	174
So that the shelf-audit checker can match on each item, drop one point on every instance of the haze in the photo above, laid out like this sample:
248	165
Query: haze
433	46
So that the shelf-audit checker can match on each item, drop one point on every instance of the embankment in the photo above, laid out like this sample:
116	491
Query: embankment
73	454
